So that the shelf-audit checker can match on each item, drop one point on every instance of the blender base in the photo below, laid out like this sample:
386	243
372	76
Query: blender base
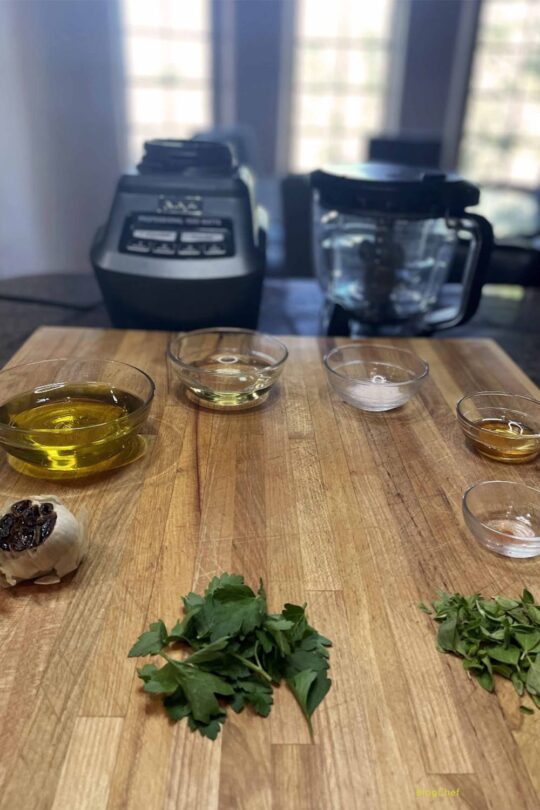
338	322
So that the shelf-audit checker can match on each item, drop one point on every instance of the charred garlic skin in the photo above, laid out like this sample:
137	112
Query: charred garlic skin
40	540
26	525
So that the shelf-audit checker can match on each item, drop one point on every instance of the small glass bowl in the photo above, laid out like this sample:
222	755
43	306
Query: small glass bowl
503	427
504	516
227	368
374	377
46	436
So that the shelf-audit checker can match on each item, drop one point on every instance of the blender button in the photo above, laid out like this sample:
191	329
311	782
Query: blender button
188	252
138	247
214	250
163	250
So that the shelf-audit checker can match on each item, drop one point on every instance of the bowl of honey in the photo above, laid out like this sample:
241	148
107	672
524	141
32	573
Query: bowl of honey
503	427
68	418
227	369
504	516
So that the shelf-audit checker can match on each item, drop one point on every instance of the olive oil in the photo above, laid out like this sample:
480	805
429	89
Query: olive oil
508	441
70	428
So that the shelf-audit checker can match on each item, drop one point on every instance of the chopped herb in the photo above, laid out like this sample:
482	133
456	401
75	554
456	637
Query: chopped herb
498	636
237	653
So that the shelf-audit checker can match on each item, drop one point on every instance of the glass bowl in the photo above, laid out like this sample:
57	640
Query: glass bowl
503	427
67	418
374	377
504	516
227	368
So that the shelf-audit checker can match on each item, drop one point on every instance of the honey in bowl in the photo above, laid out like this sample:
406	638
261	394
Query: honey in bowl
509	440
502	427
67	418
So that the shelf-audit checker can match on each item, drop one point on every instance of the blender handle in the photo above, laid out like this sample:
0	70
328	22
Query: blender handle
475	272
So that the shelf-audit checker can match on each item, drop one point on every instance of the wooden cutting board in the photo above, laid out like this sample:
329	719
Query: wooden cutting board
358	514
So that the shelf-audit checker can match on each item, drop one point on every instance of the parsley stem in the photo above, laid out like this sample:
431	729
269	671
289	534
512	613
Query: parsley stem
258	669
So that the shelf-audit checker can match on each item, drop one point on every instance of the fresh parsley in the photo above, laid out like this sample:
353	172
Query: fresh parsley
498	636
237	653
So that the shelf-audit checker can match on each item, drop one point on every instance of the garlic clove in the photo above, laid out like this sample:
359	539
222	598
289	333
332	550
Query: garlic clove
39	537
49	579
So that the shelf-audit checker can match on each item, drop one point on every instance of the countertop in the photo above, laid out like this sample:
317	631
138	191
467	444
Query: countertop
358	514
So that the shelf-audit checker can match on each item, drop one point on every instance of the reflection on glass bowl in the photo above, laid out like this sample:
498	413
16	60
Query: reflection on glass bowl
504	516
375	377
227	368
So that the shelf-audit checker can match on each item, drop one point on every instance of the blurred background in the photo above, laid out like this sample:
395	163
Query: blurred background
295	83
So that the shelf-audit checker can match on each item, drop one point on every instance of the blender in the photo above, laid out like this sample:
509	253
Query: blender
385	238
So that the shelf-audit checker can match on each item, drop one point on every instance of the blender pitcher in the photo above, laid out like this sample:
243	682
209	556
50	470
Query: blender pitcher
385	237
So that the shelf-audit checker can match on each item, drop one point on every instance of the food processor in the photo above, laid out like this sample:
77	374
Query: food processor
385	238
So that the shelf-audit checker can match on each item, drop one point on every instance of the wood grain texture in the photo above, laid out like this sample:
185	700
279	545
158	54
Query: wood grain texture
359	514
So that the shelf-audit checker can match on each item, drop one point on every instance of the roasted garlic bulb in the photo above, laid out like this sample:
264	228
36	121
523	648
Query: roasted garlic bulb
40	539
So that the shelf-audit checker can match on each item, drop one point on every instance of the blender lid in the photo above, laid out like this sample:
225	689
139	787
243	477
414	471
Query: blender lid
173	156
392	188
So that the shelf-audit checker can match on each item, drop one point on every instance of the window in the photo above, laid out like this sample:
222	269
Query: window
167	52
501	139
341	59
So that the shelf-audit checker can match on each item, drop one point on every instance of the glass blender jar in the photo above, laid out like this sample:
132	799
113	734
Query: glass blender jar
385	237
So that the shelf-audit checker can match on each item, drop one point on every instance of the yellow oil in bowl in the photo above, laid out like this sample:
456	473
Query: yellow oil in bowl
72	429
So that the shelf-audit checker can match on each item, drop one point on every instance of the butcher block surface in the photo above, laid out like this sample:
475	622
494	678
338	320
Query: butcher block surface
357	514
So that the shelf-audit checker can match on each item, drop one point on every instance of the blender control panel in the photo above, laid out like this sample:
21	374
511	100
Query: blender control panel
177	237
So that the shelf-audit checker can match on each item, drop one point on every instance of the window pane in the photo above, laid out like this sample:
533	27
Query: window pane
504	21
144	56
318	20
146	105
317	66
143	14
190	105
361	113
187	15
314	110
167	55
501	141
366	67
496	72
339	82
190	60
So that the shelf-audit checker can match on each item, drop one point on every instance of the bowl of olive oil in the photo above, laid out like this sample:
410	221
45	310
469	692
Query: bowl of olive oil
503	427
227	369
68	418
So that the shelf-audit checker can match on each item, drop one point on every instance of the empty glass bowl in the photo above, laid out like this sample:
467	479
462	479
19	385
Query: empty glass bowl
504	517
374	377
73	417
503	427
227	368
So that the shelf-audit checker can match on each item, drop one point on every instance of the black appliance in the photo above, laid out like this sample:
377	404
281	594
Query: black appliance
184	245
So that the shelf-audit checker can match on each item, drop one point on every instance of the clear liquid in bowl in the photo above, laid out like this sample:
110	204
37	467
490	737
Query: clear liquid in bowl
228	377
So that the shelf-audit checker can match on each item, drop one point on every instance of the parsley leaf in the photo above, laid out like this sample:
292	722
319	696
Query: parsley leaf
163	681
200	689
232	609
236	652
151	642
